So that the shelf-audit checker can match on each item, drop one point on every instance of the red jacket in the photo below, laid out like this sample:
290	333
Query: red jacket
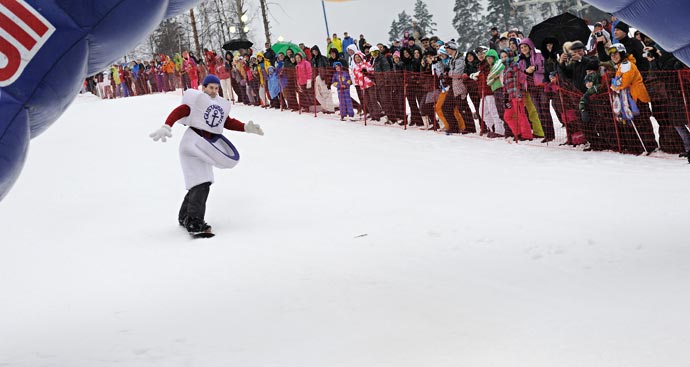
221	72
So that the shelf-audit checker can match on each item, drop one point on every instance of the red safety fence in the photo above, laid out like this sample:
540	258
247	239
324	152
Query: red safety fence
552	115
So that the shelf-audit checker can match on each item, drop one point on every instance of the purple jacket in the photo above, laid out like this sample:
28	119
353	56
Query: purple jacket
536	60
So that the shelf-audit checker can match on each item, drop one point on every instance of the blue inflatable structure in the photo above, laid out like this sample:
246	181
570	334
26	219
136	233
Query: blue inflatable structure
48	48
666	21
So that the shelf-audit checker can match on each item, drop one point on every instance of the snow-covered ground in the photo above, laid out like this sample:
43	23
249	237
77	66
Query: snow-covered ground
340	245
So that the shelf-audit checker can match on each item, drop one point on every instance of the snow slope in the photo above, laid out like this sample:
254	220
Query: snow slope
339	245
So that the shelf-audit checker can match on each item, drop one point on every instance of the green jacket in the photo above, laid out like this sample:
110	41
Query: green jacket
494	78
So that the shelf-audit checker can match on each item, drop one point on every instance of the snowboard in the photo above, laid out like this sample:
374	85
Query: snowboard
205	234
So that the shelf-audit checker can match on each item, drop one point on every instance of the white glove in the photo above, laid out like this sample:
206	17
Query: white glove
474	76
162	133
308	83
252	128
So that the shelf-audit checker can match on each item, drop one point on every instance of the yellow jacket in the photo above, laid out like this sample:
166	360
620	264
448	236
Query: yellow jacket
337	43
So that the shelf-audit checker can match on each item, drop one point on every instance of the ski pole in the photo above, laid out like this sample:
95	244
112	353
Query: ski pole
639	137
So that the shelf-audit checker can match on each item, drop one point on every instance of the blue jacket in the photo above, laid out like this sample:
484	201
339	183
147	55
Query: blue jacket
347	41
273	82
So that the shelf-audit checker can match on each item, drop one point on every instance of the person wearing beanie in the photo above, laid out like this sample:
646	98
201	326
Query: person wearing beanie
202	147
623	27
593	84
633	46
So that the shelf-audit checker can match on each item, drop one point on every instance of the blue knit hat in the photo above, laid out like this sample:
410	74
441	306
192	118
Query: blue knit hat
337	63
210	78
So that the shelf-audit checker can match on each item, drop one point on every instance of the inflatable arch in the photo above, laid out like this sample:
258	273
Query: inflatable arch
666	21
48	47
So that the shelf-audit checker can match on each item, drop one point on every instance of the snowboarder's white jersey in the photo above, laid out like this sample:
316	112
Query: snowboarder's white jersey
206	113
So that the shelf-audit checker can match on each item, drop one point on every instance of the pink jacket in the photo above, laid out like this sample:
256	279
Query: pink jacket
362	80
303	70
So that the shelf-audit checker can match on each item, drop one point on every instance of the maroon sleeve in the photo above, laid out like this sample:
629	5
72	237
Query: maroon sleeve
233	124
178	113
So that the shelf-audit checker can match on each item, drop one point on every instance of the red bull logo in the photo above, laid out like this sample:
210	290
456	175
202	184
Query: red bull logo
23	31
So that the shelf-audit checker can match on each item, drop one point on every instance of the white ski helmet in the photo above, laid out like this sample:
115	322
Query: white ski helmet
617	47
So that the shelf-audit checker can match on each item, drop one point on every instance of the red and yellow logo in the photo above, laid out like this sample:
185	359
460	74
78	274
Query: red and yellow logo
23	31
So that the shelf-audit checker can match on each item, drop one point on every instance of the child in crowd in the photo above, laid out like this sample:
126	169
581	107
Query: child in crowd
342	82
593	83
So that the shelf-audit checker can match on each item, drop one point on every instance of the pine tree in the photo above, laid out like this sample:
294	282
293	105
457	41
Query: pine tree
404	23
394	32
168	37
499	13
424	24
468	23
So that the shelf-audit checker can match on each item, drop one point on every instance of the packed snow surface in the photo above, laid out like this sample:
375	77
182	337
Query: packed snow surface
339	244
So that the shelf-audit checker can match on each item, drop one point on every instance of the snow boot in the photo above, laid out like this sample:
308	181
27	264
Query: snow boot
196	225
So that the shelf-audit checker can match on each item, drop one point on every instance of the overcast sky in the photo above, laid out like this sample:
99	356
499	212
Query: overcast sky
302	20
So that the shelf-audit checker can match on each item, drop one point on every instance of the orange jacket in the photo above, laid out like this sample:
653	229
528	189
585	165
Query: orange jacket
631	78
169	66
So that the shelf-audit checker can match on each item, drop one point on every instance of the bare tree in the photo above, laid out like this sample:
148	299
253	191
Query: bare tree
264	15
195	34
240	12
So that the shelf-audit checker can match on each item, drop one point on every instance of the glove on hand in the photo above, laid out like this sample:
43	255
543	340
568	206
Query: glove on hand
474	76
308	83
162	133
252	128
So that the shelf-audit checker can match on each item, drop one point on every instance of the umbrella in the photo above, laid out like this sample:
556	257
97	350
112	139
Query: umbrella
284	46
237	44
564	28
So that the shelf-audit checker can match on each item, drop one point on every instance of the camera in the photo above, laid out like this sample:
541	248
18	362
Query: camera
599	34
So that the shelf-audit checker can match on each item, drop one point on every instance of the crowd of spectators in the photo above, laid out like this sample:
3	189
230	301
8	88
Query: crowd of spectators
603	91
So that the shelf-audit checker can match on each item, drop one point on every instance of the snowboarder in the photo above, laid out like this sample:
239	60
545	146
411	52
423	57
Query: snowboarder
202	147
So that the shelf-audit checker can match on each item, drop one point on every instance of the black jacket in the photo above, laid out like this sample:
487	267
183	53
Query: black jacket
575	72
318	61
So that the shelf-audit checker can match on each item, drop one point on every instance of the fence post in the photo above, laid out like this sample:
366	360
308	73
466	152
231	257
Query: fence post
299	94
615	121
433	115
482	123
404	99
232	92
313	87
364	104
685	100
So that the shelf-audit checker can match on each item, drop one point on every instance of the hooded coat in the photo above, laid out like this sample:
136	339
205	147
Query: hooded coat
338	58
493	79
319	60
303	71
262	68
273	82
550	57
535	59
359	71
